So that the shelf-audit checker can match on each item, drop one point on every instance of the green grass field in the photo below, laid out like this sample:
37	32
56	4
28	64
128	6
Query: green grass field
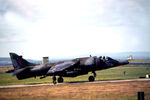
131	72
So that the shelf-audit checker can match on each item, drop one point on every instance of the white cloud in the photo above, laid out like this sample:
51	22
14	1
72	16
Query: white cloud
11	39
71	28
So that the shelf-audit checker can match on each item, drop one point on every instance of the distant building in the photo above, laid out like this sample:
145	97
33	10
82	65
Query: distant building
130	58
45	60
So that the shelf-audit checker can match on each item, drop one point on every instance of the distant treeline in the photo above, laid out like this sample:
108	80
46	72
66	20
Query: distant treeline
139	63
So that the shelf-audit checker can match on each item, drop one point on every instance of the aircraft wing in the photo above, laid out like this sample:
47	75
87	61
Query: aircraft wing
62	67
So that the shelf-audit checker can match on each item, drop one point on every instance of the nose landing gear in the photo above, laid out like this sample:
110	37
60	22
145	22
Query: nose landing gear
92	78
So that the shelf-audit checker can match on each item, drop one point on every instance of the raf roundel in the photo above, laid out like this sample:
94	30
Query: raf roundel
58	68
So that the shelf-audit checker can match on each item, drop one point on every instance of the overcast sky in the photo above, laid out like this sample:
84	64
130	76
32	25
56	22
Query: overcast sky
66	28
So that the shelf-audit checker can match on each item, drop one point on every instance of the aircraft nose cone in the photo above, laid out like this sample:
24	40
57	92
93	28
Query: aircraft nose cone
124	62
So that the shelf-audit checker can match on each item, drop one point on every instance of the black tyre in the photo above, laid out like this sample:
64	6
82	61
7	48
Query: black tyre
91	78
54	79
60	80
54	82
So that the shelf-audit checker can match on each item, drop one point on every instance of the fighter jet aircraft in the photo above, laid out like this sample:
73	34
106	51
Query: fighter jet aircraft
70	68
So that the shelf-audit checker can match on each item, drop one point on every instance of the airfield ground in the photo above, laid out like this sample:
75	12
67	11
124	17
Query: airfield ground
80	91
77	88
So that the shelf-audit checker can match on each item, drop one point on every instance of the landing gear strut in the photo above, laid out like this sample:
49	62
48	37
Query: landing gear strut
94	74
92	78
54	79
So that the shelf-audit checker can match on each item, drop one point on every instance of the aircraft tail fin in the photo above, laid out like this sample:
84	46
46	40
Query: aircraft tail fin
18	62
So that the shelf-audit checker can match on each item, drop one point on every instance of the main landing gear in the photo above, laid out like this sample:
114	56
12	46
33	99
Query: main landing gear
60	79
54	79
92	78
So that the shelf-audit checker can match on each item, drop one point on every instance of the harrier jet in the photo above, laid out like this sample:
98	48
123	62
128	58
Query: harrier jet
70	68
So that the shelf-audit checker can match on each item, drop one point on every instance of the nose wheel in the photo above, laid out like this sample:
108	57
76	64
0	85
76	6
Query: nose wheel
92	78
